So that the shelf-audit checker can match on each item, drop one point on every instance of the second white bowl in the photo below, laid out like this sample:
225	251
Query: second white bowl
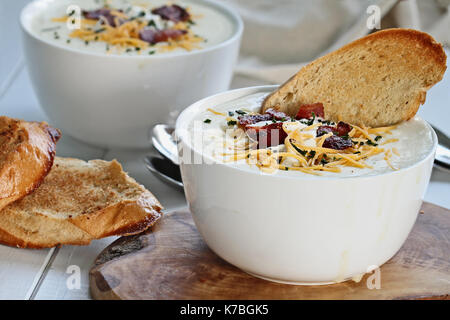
112	100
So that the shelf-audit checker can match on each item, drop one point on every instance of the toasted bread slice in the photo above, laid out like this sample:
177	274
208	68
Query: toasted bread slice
77	202
27	150
375	81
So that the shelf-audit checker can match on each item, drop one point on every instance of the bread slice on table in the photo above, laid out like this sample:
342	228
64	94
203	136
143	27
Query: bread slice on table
77	202
378	80
27	150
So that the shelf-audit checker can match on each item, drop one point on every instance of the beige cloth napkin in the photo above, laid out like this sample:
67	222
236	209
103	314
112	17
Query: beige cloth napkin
281	36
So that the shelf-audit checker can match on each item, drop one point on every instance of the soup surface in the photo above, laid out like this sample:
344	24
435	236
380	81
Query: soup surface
128	27
236	134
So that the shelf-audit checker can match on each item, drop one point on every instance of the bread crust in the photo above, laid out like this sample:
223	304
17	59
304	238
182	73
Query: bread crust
125	218
405	49
78	202
9	239
28	151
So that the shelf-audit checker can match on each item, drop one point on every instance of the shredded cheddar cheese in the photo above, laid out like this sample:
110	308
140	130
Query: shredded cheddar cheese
125	34
389	141
299	156
216	112
387	158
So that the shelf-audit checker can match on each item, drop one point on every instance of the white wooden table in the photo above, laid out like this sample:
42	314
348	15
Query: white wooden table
41	274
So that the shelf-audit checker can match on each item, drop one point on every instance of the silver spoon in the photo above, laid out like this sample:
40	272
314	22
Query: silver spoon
442	159
167	168
164	170
164	143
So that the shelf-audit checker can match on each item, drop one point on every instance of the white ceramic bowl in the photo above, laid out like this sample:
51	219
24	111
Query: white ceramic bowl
111	100
299	229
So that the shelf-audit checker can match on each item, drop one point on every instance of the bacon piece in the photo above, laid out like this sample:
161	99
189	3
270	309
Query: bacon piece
324	130
337	143
271	114
250	119
173	13
268	135
305	111
105	13
154	36
277	115
343	128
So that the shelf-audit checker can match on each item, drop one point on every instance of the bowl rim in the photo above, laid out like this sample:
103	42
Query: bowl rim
222	7
189	113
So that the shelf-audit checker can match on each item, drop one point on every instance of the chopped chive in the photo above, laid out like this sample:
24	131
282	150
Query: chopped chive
207	121
310	121
302	152
231	123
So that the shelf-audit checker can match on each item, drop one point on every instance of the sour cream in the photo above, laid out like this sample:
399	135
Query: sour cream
211	131
210	24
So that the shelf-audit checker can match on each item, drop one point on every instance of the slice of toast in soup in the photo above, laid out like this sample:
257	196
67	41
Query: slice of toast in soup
376	81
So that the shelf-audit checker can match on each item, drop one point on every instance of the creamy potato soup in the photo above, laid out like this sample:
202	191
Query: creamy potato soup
128	27
234	133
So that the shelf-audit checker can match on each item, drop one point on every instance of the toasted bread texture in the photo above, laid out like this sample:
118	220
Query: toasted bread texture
375	81
27	150
77	202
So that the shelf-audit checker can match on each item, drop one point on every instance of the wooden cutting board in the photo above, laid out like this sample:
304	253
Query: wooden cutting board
171	261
